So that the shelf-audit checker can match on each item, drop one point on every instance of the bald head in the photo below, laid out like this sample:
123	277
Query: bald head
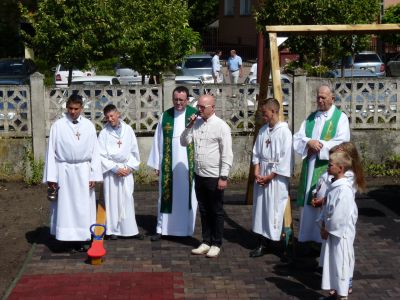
325	98
205	105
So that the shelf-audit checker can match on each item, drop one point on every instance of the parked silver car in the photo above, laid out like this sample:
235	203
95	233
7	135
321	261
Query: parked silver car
199	65
369	60
393	66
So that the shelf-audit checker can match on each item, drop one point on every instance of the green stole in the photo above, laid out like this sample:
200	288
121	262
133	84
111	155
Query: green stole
166	166
328	132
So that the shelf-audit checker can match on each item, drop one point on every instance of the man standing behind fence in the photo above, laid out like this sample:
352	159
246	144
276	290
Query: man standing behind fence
216	66
72	168
322	130
213	159
119	157
235	70
174	164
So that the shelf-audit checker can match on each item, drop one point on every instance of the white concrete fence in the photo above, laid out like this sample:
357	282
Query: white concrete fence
372	106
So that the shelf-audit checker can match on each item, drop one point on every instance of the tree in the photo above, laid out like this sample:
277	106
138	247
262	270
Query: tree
324	49
157	35
73	32
392	16
10	44
202	13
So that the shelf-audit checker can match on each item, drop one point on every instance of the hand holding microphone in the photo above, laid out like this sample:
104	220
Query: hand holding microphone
193	119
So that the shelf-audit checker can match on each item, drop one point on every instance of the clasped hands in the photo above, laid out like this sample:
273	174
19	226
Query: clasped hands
121	172
314	146
263	180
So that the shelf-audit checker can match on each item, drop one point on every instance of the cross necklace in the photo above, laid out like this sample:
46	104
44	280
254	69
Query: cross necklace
76	127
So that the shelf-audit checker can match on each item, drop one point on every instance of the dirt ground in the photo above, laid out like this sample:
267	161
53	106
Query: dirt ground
23	209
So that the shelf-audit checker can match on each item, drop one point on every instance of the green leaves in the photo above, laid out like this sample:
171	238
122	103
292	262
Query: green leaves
324	49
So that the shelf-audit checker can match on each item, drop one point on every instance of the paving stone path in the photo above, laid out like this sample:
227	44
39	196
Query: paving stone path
135	269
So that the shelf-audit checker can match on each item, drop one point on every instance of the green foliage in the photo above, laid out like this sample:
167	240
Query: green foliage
145	175
33	168
323	49
392	16
202	13
73	32
10	44
156	36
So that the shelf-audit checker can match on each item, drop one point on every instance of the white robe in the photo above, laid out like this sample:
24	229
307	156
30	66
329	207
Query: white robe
308	214
340	216
119	151
72	162
269	201
181	221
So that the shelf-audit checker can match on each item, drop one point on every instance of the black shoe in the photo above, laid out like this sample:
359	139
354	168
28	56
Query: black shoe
113	237
138	236
156	237
259	251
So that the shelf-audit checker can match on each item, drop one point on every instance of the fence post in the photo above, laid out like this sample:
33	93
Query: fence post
168	87
38	117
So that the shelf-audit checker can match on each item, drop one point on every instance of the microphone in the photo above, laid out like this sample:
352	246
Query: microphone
190	124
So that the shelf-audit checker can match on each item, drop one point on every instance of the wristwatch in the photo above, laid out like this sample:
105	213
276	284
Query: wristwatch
224	178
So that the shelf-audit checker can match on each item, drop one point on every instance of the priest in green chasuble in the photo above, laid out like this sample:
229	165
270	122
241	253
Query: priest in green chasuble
174	164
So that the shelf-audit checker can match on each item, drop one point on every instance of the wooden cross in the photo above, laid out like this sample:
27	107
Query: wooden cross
119	143
78	135
168	127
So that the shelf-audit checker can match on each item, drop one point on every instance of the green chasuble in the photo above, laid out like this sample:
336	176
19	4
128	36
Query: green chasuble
328	132
166	166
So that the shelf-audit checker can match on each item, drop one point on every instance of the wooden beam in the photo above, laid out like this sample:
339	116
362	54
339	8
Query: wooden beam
276	72
334	29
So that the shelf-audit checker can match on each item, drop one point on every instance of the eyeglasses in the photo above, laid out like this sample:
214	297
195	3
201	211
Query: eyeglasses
203	106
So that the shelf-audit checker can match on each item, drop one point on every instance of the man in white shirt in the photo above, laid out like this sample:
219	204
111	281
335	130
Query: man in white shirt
213	159
216	66
322	130
72	168
119	157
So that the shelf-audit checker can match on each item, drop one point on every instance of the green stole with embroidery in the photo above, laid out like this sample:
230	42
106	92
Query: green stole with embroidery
166	166
328	132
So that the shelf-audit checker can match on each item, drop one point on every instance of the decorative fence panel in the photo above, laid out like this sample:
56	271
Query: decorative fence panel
15	111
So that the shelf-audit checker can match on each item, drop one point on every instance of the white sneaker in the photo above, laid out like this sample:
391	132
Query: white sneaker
213	252
202	249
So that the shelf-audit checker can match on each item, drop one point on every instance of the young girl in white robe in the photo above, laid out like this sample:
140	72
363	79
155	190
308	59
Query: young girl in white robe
355	179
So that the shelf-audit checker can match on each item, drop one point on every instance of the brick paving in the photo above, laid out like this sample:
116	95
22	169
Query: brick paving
135	269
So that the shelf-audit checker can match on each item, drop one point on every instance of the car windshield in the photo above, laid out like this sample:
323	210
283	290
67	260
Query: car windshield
366	58
198	62
12	68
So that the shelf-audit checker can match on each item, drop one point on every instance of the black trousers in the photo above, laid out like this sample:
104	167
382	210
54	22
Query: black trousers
210	200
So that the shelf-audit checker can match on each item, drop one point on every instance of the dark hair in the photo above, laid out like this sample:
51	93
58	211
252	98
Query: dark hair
272	102
181	89
108	108
75	98
218	51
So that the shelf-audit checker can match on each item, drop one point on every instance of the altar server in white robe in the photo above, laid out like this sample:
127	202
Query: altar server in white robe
338	228
72	167
322	130
174	164
272	160
119	157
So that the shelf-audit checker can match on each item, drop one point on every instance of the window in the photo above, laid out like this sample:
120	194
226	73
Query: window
229	7
245	7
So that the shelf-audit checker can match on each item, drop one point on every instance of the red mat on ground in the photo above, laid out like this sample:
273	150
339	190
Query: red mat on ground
141	285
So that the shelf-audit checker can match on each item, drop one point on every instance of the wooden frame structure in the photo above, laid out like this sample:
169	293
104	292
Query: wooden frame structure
314	30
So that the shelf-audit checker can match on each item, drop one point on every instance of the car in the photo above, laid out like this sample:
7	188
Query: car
369	60
61	75
16	71
350	73
95	80
188	80
198	65
128	76
393	66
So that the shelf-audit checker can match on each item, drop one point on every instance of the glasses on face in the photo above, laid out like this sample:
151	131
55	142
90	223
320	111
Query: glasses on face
203	106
